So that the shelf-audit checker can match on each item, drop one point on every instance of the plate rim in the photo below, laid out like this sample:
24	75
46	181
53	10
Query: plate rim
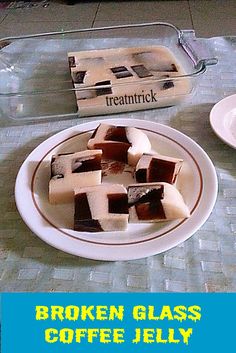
147	250
214	120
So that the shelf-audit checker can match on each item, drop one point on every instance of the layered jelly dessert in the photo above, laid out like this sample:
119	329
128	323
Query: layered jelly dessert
71	170
126	144
154	202
153	168
126	79
101	208
87	180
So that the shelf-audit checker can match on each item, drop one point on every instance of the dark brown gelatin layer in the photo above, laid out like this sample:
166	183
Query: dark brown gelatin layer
116	133
168	84
114	150
82	209
141	175
160	170
79	165
150	211
149	207
141	71
83	221
118	69
91	225
118	203
105	90
78	77
121	72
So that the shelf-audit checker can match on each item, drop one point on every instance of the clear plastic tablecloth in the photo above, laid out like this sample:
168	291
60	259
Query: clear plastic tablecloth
204	263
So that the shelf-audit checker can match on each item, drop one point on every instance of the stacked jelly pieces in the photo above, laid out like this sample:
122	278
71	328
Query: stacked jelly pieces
77	177
121	79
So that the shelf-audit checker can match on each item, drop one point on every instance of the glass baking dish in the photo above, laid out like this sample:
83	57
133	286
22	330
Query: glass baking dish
36	82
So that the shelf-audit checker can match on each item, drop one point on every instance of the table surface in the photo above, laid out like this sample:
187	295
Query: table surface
204	263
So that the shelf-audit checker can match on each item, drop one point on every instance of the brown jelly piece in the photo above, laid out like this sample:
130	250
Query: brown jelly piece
82	209
168	84
149	206
71	60
82	218
141	71
81	165
90	225
118	69
118	203
114	150
150	211
141	175
161	170
117	133
105	90
121	72
149	196
78	76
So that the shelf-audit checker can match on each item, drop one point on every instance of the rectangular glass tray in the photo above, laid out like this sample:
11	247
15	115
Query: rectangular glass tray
35	80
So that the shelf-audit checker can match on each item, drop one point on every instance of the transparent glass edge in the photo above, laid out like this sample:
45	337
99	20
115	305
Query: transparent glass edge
94	29
197	52
199	64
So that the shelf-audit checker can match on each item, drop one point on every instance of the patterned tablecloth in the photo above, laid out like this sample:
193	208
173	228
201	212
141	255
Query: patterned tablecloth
204	263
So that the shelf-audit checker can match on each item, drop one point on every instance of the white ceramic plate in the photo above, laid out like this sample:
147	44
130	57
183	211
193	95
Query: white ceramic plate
223	120
197	182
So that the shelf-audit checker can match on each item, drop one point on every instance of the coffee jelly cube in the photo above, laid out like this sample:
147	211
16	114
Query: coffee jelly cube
155	202
72	170
101	208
